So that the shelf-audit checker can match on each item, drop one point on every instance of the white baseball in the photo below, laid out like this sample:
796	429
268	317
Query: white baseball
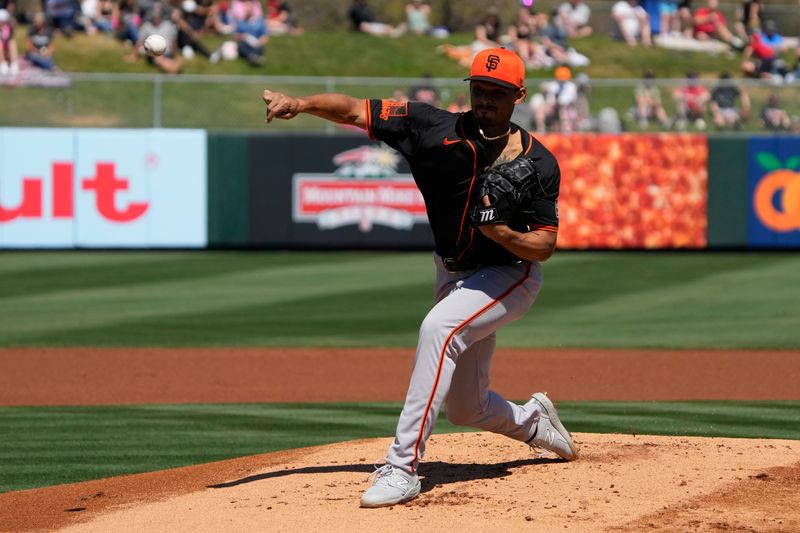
155	45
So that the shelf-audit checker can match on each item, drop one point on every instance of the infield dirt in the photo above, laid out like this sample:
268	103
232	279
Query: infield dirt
475	481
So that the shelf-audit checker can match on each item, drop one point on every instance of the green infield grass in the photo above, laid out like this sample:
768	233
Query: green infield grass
42	446
358	299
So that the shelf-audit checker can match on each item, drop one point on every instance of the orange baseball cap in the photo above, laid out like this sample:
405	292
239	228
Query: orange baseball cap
563	73
500	66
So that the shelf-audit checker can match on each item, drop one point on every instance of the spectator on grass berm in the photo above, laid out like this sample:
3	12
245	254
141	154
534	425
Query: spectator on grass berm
424	91
418	17
554	105
9	6
127	20
760	60
487	35
648	103
631	23
686	17
574	18
222	18
8	46
749	17
773	116
725	110
690	103
670	19
157	23
281	19
62	15
769	35
189	37
97	15
521	35
363	20
242	9
709	23
252	36
199	15
39	45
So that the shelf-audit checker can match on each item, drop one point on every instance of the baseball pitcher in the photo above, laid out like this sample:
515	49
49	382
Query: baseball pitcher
491	194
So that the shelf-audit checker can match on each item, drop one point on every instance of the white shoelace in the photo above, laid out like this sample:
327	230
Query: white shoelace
380	472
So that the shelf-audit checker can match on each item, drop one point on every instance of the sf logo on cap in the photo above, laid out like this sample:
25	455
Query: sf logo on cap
491	62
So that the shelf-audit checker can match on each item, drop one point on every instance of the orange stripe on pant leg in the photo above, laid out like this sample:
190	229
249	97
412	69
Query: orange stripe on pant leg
441	358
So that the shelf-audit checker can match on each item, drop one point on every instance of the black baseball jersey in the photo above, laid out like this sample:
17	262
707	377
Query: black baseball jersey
446	155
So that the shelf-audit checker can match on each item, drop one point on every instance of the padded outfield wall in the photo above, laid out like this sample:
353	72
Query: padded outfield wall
86	188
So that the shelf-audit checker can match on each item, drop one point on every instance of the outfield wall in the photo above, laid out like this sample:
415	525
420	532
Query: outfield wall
65	188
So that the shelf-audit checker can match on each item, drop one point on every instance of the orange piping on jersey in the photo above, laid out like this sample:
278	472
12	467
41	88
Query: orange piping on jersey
471	183
553	229
444	349
368	118
530	144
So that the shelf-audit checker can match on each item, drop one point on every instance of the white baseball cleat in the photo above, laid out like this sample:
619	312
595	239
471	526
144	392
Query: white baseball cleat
549	433
392	486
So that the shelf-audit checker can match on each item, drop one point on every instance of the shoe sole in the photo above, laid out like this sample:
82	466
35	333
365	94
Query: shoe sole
408	497
550	409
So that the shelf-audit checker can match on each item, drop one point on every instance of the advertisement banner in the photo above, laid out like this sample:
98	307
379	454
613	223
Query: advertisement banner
102	188
631	191
774	185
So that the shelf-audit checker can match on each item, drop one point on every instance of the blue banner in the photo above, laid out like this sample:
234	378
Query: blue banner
774	181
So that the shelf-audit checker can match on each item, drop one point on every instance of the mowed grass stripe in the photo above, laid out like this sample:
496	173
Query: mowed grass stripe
43	446
39	316
648	300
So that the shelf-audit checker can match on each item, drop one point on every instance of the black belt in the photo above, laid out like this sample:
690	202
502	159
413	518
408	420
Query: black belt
451	264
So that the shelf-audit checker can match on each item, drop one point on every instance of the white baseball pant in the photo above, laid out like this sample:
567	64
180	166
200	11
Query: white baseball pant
454	355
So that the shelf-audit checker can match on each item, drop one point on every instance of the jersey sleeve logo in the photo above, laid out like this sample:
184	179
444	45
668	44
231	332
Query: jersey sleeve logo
391	108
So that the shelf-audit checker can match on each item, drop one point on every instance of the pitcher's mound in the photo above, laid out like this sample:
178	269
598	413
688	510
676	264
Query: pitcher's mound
485	482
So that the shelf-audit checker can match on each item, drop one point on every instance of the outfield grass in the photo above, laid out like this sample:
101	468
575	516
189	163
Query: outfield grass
356	299
42	446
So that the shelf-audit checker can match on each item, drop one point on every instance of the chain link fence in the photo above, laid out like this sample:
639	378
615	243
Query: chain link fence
234	102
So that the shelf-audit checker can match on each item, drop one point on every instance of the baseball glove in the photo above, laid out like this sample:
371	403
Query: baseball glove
508	186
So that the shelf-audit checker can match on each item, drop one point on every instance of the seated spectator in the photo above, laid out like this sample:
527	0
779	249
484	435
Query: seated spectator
770	36
199	15
251	34
487	35
424	91
126	21
281	19
364	21
157	24
191	19
551	38
240	8
670	20
574	18
8	46
724	110
773	116
99	15
686	17
630	22
709	23
690	103
748	18
648	103
62	15
760	60
521	35
554	105
40	43
9	6
418	15
222	18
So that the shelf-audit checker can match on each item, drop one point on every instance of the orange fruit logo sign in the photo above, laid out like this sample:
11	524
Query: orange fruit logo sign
776	199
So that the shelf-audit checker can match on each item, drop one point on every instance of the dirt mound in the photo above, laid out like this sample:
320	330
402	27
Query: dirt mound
478	481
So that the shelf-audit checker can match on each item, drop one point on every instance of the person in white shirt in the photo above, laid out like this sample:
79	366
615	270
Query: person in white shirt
631	22
574	15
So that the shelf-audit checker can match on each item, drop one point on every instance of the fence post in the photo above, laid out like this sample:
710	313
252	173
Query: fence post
157	101
330	86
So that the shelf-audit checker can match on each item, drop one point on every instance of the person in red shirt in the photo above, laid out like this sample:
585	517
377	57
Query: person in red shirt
690	103
760	59
709	23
